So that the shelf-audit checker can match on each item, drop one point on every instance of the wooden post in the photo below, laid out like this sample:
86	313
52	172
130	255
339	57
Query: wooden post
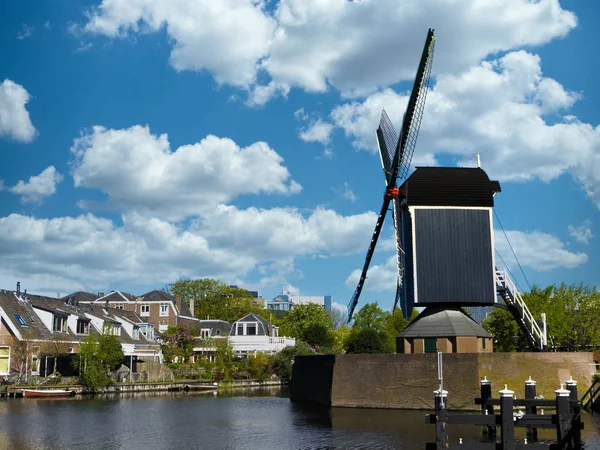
563	412
441	410
530	394
486	393
507	431
575	413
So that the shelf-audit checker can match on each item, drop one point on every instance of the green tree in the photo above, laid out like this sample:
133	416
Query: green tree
340	337
283	360
214	299
224	367
503	327
371	316
367	340
98	355
318	335
301	317
178	344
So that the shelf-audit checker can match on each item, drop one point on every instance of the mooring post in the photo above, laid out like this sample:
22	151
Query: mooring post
530	394
441	409
575	412
507	424
486	394
563	412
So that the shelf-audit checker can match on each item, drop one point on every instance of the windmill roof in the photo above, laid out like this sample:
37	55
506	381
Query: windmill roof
437	322
450	186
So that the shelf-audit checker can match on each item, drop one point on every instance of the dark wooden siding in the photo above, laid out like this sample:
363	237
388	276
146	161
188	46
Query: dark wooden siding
454	260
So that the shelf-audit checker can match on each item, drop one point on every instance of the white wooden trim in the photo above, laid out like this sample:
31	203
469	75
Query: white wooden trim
411	210
493	256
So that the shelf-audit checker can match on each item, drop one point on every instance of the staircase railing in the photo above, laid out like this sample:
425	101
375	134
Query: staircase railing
591	394
526	319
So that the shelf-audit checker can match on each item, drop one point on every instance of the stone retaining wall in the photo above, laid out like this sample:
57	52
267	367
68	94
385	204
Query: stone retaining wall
408	381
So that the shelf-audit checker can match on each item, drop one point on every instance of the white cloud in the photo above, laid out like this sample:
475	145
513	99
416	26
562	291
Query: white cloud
138	171
91	252
271	234
538	250
497	108
357	47
317	131
345	192
38	187
583	232
380	277
227	37
25	32
14	118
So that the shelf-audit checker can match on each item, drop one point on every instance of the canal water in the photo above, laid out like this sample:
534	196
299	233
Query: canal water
241	419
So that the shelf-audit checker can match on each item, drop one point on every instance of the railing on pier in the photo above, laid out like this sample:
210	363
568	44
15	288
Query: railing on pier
566	420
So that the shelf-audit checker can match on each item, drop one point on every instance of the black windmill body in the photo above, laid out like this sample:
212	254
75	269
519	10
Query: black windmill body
443	225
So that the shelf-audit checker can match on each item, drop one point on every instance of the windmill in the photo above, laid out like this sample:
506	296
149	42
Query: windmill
396	153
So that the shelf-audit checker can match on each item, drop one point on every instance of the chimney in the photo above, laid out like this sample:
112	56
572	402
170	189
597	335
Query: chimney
178	302
192	306
100	294
18	288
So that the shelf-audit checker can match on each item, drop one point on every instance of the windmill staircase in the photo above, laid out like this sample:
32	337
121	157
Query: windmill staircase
536	335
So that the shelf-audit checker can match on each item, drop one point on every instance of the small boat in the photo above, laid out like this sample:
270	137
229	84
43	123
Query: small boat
47	393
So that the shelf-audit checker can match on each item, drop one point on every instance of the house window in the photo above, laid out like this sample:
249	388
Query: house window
82	326
251	329
240	329
430	345
31	319
145	310
136	333
217	332
163	326
59	324
21	320
164	309
4	358
483	343
204	333
116	330
118	306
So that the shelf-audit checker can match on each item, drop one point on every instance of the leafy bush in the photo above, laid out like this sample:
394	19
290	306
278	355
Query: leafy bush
283	360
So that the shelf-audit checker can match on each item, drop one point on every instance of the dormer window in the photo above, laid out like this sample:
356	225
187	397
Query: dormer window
59	324
115	330
204	333
83	326
136	333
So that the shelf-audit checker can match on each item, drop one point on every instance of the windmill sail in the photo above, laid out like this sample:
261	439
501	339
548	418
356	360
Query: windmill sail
387	140
363	275
396	154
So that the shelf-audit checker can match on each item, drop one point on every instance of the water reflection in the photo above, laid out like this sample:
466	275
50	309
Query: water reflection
238	419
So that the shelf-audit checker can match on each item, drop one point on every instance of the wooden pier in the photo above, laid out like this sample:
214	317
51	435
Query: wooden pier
566	420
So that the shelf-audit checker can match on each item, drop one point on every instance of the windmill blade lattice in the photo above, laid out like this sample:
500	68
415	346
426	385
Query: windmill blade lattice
416	107
396	154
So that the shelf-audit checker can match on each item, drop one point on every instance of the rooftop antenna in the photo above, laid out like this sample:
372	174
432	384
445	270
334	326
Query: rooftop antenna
478	156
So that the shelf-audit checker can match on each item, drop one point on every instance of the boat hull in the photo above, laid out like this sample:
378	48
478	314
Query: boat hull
40	393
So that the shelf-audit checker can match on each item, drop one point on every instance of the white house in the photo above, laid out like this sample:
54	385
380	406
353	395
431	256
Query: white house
252	333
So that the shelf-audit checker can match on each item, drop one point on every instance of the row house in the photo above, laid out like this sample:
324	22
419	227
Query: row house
156	307
33	327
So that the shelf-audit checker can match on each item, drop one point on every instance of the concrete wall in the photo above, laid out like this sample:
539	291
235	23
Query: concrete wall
408	381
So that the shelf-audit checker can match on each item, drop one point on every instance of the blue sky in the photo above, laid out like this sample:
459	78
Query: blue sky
141	143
